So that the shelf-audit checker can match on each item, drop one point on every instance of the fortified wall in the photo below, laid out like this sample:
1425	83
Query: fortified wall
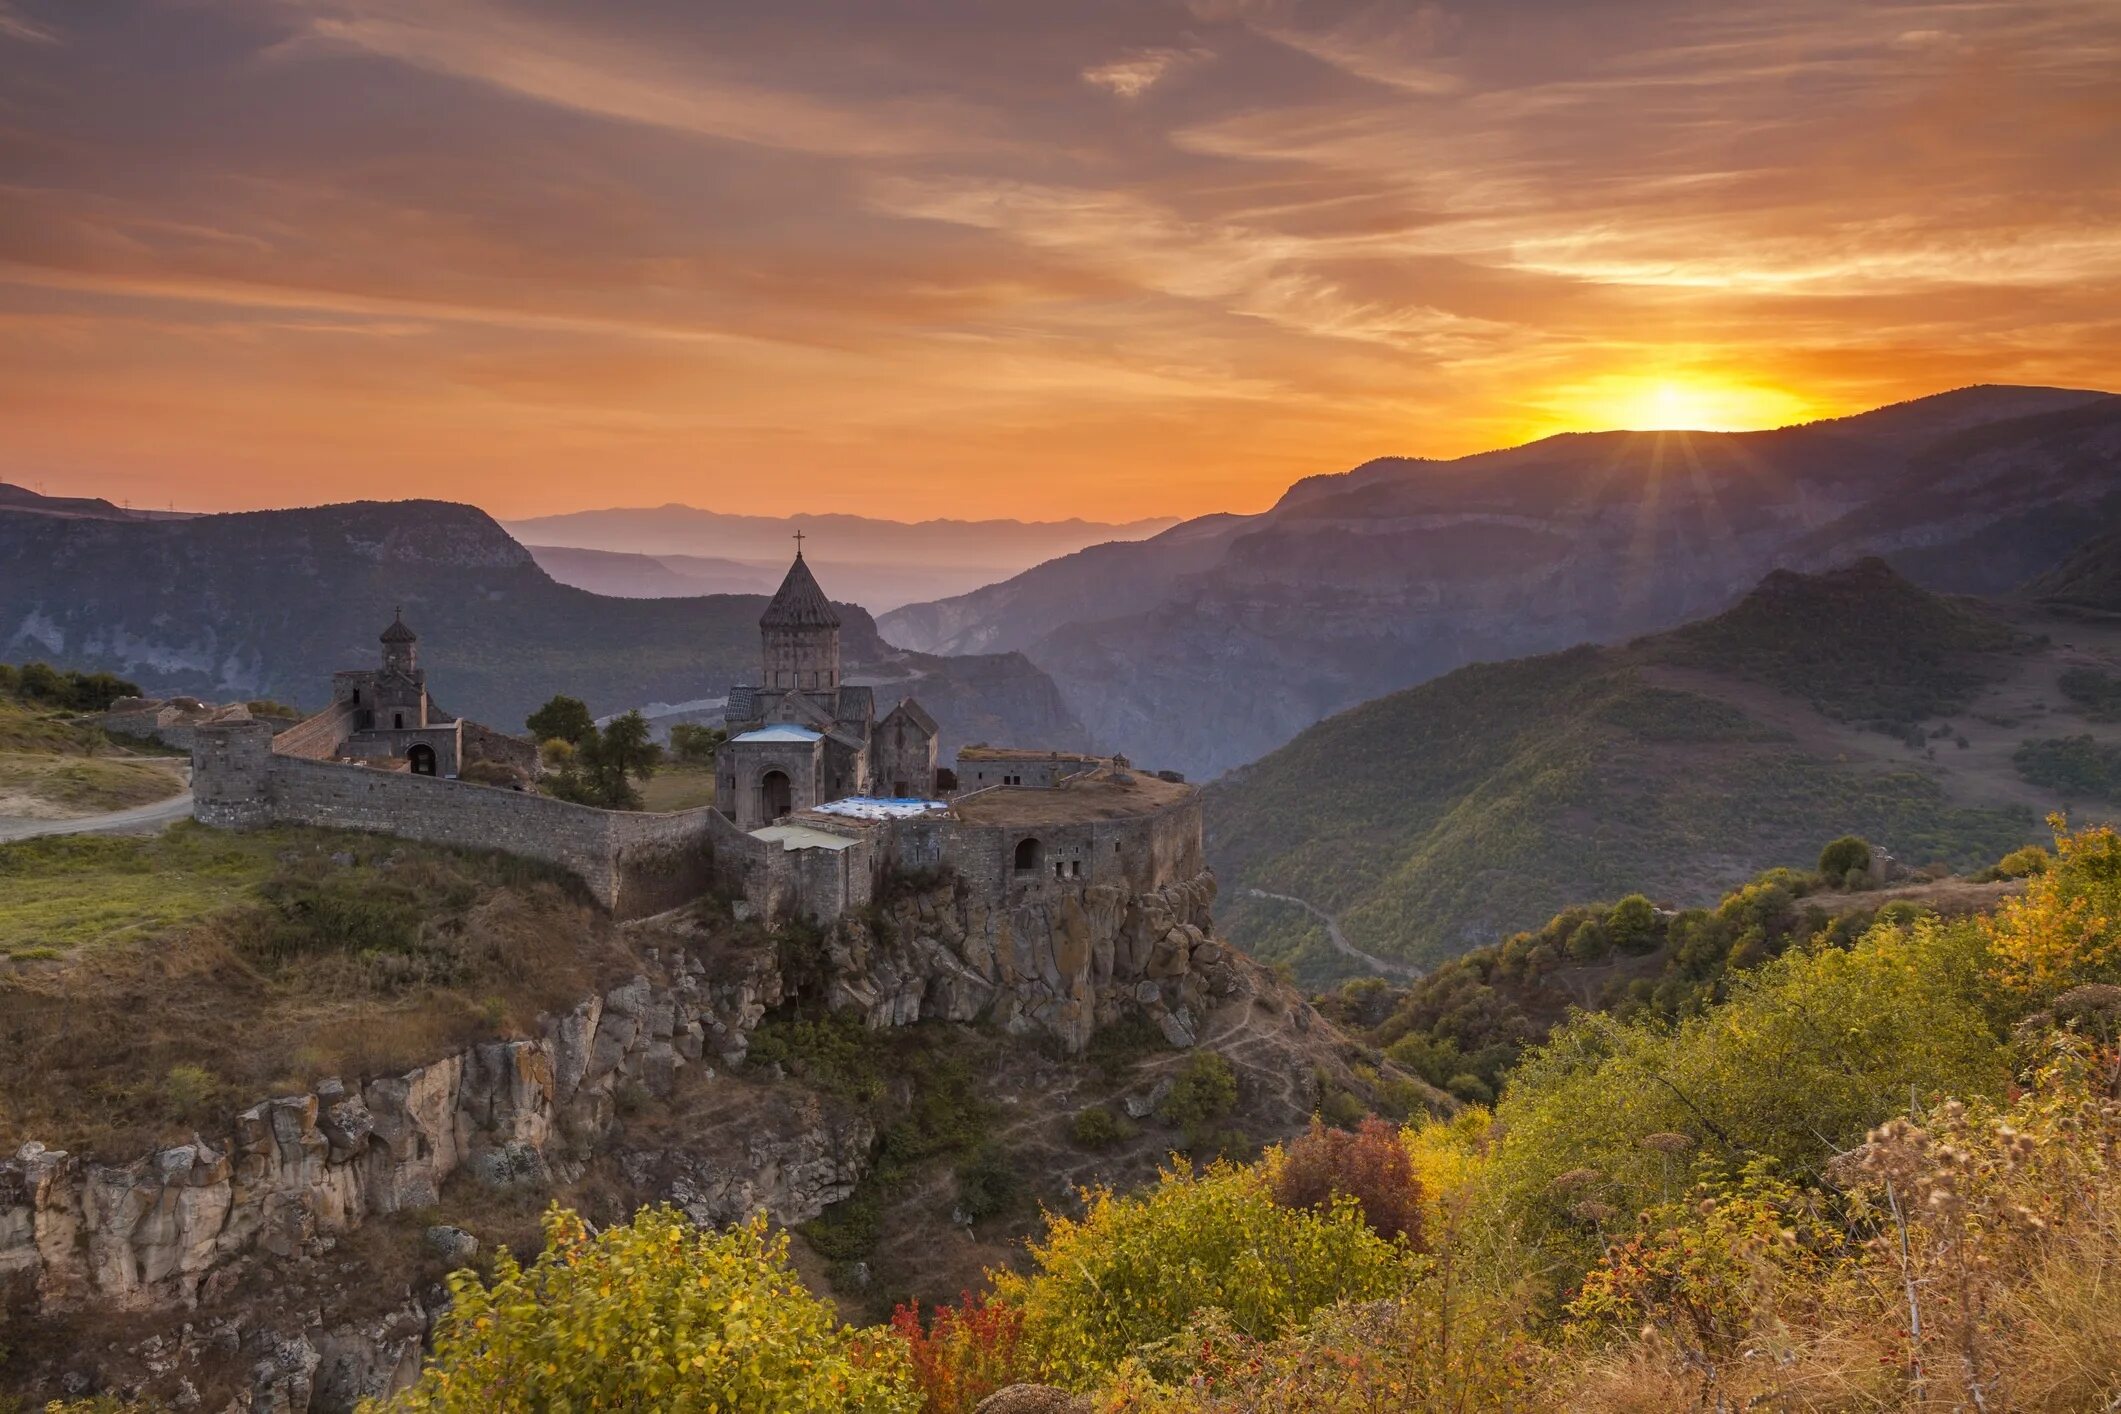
1006	846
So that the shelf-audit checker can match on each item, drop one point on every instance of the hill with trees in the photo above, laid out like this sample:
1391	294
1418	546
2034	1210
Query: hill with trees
1474	806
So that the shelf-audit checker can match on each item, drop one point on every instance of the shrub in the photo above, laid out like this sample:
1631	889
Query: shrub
1099	1128
1204	1091
1843	857
1135	1270
988	1183
1370	1166
965	1353
189	1088
655	1314
695	745
1339	1107
2023	863
1632	925
2065	929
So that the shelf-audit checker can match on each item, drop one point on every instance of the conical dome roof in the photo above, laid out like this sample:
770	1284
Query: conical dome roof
398	632
799	603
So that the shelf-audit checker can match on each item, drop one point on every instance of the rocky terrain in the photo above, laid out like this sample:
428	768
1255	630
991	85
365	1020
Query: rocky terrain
1217	641
269	603
289	1260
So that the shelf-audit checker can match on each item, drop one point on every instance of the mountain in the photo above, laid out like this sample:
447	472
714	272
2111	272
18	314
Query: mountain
878	563
1469	807
1218	640
625	576
268	603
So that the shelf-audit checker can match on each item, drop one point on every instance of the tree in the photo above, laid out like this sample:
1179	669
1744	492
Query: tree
695	745
655	1314
1370	1166
562	719
1844	856
613	758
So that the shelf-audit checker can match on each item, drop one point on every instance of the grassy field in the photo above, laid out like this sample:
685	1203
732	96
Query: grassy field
68	891
82	785
678	787
51	768
148	983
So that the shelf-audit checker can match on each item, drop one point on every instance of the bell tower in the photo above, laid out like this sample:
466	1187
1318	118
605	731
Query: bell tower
800	634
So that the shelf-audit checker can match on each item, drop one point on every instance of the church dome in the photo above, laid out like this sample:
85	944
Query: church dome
799	603
398	632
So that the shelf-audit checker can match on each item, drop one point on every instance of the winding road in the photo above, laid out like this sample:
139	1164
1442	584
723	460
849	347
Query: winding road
1385	967
138	818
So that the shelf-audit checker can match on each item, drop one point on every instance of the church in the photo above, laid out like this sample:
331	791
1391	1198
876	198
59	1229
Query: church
801	737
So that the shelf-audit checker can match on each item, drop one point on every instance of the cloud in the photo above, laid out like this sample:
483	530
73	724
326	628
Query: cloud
15	25
1135	73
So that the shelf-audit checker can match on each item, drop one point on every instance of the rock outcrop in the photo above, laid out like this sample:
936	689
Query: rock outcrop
1062	964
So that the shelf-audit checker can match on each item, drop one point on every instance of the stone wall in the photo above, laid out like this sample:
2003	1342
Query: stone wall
317	738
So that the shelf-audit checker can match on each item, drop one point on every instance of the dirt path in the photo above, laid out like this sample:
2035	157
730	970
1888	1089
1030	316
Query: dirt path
1384	967
139	818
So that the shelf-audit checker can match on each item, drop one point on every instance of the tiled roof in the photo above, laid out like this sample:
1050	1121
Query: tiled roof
799	603
916	714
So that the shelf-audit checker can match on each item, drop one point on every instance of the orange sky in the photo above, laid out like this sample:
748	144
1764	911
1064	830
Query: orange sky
969	257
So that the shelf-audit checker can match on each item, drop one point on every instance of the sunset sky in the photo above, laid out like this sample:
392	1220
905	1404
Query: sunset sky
995	257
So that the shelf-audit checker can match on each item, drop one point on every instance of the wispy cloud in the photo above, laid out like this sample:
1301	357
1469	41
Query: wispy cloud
1135	73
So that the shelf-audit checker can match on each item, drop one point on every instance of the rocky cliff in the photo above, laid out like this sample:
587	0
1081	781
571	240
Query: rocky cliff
236	1265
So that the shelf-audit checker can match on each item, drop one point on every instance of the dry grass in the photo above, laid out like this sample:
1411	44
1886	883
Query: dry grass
339	955
678	787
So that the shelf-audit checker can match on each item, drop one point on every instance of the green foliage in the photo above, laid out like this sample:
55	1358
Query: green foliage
836	1054
603	765
1099	1128
1480	803
1809	1052
2024	863
695	744
655	1314
988	1184
1845	856
562	719
2078	767
1117	1049
46	686
1203	1091
268	707
1135	1271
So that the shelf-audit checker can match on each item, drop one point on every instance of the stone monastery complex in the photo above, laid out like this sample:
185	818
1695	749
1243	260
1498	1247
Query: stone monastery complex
817	800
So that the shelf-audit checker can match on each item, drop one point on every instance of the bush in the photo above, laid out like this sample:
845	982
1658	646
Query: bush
1844	856
2065	930
1370	1166
988	1184
1205	1091
1099	1128
695	745
967	1352
1632	925
655	1314
1136	1270
2023	863
47	686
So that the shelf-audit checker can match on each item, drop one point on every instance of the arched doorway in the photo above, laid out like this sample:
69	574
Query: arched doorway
1027	856
776	795
422	757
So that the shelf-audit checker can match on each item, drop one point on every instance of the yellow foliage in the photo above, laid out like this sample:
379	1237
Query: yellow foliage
657	1314
2065	929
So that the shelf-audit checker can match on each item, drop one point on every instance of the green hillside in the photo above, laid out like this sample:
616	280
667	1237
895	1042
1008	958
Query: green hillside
1460	811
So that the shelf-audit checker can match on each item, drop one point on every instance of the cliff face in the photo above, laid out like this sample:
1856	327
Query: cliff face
1216	642
232	1251
270	603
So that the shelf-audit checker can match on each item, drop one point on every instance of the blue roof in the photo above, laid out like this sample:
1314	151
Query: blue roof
780	732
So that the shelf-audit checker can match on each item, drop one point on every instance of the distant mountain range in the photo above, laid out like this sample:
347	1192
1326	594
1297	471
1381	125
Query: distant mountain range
653	552
1216	641
1458	812
268	603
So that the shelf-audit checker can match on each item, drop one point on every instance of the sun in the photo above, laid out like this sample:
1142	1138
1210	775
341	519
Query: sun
1675	403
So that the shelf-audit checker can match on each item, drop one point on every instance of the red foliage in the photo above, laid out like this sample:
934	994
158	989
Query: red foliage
1371	1166
967	1352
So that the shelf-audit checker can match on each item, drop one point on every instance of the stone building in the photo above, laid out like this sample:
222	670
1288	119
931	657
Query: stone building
383	717
801	737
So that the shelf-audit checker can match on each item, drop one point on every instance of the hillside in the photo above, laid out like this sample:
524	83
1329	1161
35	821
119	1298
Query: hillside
269	603
52	768
1448	815
1217	641
2089	579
